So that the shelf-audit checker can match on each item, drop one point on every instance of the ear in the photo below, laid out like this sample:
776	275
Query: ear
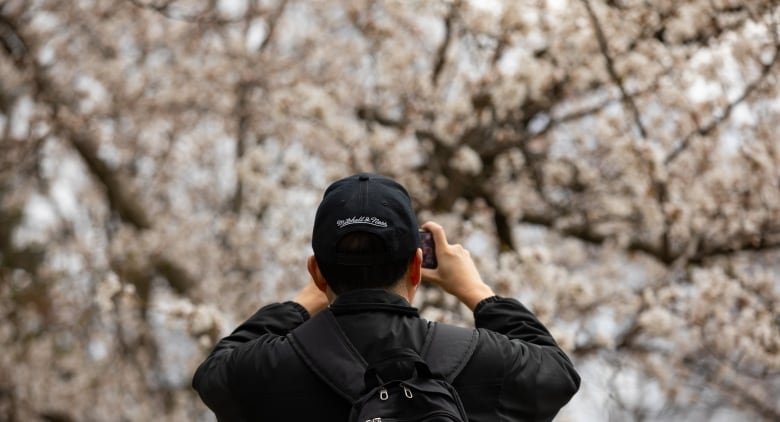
316	275
415	268
413	277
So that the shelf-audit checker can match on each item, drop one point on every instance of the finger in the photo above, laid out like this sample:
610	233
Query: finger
430	275
439	236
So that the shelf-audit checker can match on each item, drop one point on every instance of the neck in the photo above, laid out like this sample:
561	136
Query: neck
397	289
404	291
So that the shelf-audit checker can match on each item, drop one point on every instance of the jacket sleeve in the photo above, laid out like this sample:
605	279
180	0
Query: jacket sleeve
539	379
212	379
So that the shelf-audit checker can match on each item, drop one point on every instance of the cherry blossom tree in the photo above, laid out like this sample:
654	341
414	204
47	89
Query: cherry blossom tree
613	164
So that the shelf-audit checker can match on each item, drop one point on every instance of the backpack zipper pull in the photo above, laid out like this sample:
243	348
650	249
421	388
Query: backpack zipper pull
407	392
382	396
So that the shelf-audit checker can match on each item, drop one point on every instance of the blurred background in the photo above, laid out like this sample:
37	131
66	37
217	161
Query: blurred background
614	164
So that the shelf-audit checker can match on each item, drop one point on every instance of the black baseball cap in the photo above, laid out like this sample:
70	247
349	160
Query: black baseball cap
370	203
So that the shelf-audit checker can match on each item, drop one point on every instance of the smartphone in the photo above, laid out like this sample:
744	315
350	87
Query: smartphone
428	249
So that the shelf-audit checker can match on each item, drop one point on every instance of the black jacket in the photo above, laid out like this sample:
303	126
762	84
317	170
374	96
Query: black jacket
517	371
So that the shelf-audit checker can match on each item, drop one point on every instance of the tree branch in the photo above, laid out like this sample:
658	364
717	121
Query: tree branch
167	10
120	196
441	53
610	65
273	21
725	114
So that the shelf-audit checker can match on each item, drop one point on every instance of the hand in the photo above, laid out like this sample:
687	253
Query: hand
456	273
312	298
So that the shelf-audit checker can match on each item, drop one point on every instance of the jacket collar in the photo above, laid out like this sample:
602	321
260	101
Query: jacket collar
367	300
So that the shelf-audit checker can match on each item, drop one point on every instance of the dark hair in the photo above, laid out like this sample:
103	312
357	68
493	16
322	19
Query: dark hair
345	278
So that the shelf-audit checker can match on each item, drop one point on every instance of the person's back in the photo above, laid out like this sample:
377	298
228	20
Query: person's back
367	267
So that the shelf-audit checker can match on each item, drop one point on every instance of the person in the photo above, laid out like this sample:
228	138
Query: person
366	269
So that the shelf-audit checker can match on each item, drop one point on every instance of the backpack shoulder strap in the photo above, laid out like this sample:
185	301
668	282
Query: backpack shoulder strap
327	351
447	349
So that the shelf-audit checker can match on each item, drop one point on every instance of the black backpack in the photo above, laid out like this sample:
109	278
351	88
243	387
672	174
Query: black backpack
401	385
